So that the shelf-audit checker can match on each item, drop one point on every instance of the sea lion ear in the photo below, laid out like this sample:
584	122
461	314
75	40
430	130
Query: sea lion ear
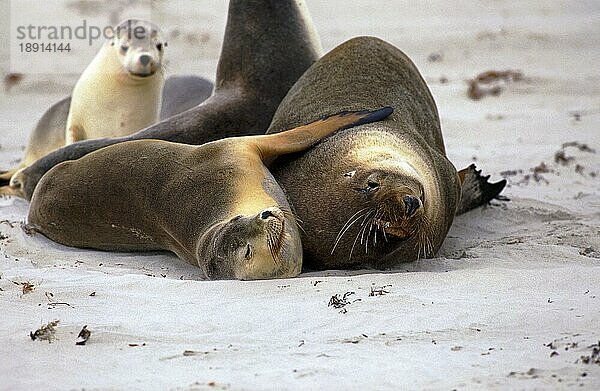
476	190
303	137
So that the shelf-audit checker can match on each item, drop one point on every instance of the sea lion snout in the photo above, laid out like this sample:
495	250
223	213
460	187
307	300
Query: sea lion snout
145	59
141	47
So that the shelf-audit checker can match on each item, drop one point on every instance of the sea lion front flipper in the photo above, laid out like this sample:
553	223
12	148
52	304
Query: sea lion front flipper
476	190
303	137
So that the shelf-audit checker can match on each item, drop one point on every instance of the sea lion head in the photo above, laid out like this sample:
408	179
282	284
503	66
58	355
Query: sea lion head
369	196
390	201
250	247
139	46
15	185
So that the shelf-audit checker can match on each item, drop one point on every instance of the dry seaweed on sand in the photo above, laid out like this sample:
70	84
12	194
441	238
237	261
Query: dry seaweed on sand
26	286
580	146
379	290
83	336
337	301
46	332
491	83
593	357
561	158
12	79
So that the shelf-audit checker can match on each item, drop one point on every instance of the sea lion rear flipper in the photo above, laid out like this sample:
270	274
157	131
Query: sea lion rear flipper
476	190
303	137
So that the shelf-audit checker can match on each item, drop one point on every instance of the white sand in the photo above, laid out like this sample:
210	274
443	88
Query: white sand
508	280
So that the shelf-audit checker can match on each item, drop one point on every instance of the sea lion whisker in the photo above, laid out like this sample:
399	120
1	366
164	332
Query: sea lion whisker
363	225
367	221
341	234
348	222
351	217
374	222
354	243
289	214
369	235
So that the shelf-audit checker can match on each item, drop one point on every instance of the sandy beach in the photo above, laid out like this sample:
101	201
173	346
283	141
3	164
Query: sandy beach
511	301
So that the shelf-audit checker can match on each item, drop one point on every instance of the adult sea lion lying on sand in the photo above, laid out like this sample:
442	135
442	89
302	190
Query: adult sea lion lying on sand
381	193
215	205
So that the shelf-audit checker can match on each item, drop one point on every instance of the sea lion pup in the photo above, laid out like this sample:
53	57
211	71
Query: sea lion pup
268	45
214	205
381	193
180	93
119	92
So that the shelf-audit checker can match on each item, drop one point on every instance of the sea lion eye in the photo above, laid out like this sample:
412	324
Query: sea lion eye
249	253
159	46
350	174
372	185
124	48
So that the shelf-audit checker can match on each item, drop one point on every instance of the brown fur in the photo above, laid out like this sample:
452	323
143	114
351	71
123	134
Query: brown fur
353	185
199	202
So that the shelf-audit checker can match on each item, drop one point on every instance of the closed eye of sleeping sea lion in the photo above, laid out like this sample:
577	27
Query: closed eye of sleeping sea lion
268	45
180	93
381	193
214	205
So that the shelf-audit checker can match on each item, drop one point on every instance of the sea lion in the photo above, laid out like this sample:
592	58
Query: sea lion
377	194
215	205
119	91
180	93
268	45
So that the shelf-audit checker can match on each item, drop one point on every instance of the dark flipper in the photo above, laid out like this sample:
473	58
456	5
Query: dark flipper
476	190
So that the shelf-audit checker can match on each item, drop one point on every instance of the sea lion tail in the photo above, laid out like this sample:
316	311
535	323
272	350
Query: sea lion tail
305	136
476	190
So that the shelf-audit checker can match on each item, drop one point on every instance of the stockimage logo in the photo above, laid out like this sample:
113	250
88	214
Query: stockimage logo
85	32
59	37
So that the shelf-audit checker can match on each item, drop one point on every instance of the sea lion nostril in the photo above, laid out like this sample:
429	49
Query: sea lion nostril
411	205
145	59
266	214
